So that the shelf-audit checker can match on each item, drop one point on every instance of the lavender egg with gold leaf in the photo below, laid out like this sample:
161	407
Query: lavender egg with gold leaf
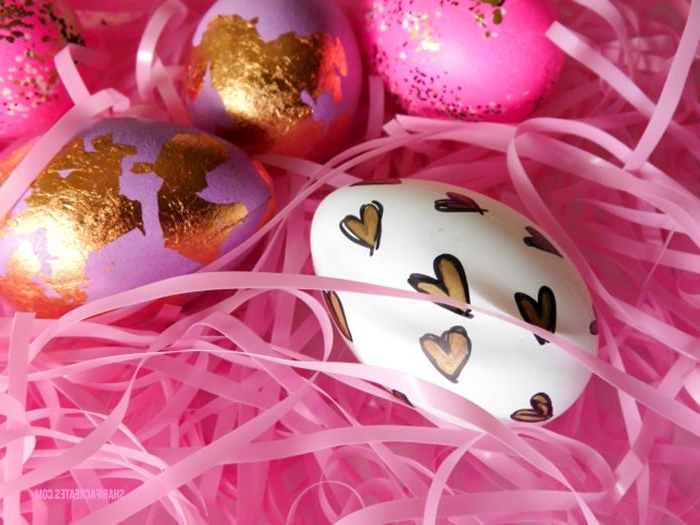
125	203
275	76
31	34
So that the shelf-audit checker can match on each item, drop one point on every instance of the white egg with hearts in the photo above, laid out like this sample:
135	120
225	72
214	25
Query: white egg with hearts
449	242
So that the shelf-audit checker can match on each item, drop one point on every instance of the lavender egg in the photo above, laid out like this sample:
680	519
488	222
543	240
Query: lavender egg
125	203
275	76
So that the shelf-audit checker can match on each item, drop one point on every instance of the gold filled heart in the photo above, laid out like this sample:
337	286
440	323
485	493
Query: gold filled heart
541	312
376	182
365	230
456	202
593	327
449	352
337	313
541	410
451	282
401	396
539	241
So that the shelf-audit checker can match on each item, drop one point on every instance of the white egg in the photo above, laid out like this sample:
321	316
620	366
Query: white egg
447	241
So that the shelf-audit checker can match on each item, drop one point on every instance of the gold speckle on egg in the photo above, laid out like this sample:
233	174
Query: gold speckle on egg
12	24
262	84
35	79
419	28
192	226
488	18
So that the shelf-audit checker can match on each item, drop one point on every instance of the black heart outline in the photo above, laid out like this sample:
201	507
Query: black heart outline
593	327
337	311
376	182
415	279
542	410
458	203
345	229
402	397
443	343
539	241
545	293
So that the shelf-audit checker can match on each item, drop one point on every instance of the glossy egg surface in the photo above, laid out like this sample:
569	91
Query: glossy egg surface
274	75
31	33
466	59
449	242
125	203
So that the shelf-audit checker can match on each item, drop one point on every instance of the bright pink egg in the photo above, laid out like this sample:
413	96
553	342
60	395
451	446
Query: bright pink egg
31	33
466	59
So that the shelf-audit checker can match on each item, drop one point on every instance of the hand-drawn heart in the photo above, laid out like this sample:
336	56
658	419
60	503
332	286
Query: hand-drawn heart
541	410
401	396
539	241
367	229
593	327
542	312
451	282
456	202
449	352
337	313
376	182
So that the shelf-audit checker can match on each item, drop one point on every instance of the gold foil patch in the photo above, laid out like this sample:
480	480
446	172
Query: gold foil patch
76	206
192	226
261	84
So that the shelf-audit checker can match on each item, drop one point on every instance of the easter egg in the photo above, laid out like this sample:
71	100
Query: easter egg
275	76
122	204
465	59
451	243
31	33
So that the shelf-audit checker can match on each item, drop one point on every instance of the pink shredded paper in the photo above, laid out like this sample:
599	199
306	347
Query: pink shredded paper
240	403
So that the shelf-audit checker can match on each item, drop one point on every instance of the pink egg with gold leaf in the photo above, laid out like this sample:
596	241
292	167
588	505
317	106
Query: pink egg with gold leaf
466	59
31	33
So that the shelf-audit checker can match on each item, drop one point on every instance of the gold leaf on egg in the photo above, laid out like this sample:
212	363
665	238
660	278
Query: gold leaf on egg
192	226
262	84
76	207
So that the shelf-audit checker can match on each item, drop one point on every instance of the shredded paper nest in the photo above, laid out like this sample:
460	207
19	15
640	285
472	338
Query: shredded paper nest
239	402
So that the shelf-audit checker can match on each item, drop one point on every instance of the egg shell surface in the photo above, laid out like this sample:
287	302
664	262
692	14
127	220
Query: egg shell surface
125	203
275	76
31	34
450	242
466	59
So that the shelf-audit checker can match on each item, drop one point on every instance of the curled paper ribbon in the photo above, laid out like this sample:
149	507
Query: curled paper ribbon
45	147
239	400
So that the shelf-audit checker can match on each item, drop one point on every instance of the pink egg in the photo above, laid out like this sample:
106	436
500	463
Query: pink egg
31	33
465	59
